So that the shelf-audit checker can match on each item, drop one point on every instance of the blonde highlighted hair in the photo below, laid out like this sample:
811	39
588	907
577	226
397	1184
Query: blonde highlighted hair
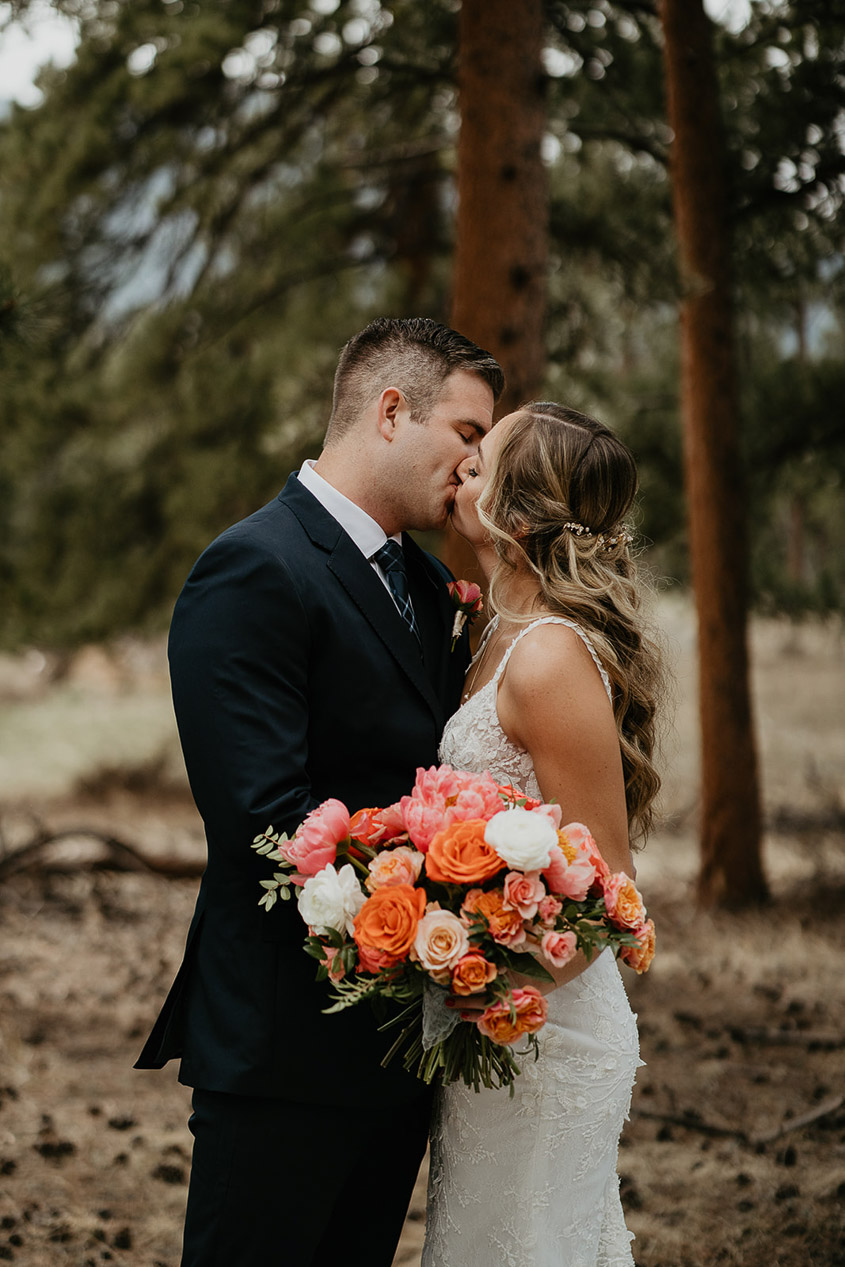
556	498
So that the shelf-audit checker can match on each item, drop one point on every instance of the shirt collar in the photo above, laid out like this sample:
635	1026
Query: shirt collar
361	527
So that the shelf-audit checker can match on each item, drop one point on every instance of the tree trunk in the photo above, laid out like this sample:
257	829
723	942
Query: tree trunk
499	282
731	871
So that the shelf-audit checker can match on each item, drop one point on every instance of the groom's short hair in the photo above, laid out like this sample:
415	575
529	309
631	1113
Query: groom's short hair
416	355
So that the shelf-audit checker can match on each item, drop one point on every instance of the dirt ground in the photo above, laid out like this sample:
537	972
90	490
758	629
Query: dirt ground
735	1152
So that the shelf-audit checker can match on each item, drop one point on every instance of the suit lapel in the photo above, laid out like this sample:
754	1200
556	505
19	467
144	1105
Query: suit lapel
363	587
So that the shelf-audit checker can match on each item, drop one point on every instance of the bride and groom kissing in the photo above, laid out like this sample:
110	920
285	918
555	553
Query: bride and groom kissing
311	656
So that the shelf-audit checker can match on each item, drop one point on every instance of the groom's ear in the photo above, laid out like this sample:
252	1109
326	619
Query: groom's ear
391	404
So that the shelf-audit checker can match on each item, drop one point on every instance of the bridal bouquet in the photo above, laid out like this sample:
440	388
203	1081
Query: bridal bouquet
440	897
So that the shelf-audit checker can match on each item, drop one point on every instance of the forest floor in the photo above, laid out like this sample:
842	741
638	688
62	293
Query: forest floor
735	1152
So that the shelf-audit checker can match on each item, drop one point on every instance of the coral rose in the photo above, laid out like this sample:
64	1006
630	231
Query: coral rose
504	923
498	1023
401	865
440	942
639	957
558	948
377	826
524	892
315	844
623	901
472	974
461	855
388	921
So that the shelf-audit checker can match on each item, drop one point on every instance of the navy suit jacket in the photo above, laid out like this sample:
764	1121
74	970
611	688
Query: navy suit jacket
294	679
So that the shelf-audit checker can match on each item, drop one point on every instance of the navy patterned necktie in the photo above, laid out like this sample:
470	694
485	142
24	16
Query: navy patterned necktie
391	560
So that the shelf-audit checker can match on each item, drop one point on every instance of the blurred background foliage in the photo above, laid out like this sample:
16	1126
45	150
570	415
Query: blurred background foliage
215	195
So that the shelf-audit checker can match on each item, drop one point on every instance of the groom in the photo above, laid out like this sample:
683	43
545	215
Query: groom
310	657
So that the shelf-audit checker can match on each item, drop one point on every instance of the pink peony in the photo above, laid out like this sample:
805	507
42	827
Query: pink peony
558	948
524	892
442	796
315	844
570	878
579	837
422	821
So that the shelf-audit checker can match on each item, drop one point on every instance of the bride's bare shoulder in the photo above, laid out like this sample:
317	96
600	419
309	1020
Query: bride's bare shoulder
547	658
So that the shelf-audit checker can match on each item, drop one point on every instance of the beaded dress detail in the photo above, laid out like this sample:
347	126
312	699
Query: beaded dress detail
530	1181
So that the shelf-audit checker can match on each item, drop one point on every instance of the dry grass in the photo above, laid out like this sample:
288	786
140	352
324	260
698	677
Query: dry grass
741	1016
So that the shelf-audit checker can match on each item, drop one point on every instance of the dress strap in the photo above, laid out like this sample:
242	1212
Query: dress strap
570	624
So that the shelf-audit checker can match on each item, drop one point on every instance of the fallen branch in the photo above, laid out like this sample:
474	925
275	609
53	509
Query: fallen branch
751	1138
826	1040
796	1123
121	855
692	1124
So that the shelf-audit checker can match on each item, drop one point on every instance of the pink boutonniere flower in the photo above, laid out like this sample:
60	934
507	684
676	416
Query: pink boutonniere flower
466	596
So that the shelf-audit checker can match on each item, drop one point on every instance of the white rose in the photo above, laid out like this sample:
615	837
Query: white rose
440	941
331	899
523	838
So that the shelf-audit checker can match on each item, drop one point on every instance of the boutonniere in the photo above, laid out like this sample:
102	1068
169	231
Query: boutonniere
466	596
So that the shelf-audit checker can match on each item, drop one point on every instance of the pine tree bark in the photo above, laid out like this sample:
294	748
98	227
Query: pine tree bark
731	871
499	279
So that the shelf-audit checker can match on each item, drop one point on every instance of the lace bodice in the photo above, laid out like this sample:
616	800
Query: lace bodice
531	1181
474	740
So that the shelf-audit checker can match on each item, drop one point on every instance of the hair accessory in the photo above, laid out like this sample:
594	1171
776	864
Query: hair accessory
622	538
618	539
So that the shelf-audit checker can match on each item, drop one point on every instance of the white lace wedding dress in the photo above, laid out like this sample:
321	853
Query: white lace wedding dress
530	1181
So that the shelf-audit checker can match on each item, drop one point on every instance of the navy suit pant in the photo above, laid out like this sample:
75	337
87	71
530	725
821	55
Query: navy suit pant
275	1183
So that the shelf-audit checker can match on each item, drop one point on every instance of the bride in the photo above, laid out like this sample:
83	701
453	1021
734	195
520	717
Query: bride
560	701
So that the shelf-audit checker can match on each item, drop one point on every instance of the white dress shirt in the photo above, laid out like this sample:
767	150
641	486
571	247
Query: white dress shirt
364	531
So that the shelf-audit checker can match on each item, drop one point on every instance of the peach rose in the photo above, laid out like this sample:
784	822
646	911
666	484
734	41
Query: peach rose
549	909
498	1023
623	901
315	844
504	923
388	921
473	973
440	942
639	957
524	892
558	948
461	855
401	865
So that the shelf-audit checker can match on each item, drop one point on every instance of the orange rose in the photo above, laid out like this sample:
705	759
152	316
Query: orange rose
505	924
460	854
498	1023
388	920
472	973
639	957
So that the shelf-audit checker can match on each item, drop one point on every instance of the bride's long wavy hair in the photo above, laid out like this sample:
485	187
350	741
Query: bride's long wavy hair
556	499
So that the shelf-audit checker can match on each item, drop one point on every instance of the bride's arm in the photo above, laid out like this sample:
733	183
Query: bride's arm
553	703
